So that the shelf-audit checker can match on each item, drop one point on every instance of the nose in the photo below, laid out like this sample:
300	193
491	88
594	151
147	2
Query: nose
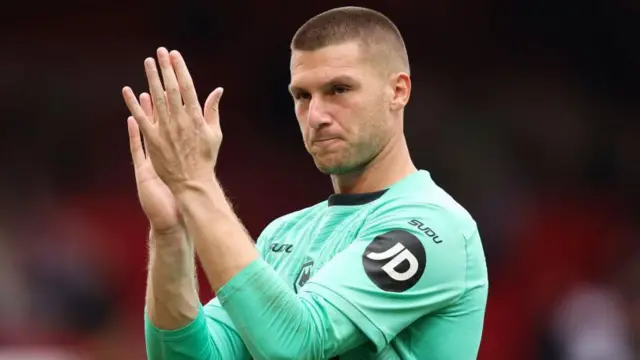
317	115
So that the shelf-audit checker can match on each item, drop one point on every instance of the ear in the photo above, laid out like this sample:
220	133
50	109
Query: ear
401	90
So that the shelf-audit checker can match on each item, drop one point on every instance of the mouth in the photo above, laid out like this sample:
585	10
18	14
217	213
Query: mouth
324	144
324	141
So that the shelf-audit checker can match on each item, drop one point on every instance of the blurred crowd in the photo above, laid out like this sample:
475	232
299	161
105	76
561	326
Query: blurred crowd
527	112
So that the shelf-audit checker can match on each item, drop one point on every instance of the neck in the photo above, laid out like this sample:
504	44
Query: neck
391	165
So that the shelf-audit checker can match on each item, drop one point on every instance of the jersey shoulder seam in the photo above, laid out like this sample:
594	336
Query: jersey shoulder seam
399	202
465	290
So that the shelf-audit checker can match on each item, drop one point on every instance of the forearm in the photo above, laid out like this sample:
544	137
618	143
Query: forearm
272	321
176	325
172	298
278	324
221	241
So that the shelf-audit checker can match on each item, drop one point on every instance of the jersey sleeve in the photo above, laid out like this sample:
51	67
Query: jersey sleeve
409	260
212	335
209	337
276	323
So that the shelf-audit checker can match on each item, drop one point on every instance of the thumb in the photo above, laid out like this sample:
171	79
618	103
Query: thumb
212	105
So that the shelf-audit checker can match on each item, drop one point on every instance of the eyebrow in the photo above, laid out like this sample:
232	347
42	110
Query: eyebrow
340	79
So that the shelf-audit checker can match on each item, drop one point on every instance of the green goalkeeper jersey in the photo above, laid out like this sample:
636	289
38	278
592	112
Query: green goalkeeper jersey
395	274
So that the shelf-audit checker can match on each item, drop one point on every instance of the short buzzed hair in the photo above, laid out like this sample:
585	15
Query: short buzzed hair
344	24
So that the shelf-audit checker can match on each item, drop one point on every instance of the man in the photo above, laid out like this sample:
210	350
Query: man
389	267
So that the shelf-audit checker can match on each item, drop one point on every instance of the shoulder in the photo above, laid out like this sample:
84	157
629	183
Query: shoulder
423	205
407	227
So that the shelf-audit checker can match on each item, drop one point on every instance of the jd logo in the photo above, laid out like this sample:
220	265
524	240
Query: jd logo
275	247
303	275
395	261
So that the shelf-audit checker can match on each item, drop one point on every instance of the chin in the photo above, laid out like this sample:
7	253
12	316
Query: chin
332	170
329	166
337	167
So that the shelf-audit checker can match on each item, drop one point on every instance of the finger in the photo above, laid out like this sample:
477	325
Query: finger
166	97
212	106
147	106
153	115
170	80
137	111
135	142
187	88
157	91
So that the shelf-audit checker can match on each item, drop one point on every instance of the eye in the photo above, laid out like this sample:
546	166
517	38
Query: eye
340	89
301	95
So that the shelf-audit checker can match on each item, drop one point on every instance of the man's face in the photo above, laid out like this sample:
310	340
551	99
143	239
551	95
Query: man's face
342	106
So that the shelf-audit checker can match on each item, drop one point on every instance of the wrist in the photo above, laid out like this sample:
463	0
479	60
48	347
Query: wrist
204	199
174	237
196	185
173	231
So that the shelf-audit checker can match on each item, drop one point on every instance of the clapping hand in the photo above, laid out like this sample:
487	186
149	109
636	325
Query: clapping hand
182	141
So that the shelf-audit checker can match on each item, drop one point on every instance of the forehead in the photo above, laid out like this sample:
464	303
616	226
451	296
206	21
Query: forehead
309	67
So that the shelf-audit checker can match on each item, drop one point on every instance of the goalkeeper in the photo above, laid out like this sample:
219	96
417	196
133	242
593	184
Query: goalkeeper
388	267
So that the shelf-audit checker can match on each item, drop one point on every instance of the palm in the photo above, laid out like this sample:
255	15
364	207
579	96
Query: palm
156	199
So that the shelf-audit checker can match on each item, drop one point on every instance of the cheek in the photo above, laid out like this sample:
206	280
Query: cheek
304	129
373	125
301	117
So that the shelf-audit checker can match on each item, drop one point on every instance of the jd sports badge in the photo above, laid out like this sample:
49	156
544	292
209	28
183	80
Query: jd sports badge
303	275
395	261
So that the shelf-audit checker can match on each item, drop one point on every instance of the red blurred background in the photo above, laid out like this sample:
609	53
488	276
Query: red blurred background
528	112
